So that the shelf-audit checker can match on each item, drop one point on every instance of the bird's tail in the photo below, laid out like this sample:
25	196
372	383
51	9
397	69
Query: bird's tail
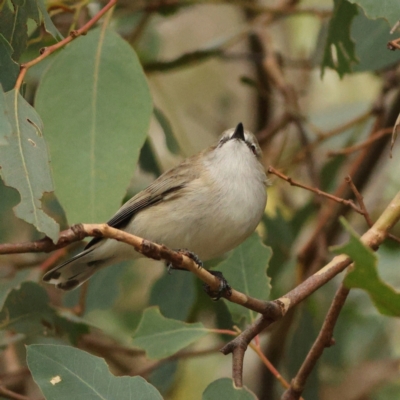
74	272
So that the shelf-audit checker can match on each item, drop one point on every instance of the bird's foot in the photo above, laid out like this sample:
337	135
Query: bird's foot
187	253
224	287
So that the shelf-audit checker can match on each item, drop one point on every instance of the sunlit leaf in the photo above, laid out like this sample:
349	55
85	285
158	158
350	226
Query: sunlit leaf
95	122
25	164
246	271
161	337
364	275
339	51
388	9
65	373
223	389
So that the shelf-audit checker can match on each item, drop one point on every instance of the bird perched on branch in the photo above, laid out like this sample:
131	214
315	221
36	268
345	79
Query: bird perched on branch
208	204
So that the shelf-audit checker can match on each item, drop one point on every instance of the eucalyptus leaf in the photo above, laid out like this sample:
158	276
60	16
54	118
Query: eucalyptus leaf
223	389
65	373
9	71
26	310
14	16
5	126
246	271
388	9
175	294
95	121
25	164
161	337
338	39
364	274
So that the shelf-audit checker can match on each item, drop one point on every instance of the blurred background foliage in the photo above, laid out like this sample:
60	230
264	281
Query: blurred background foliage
155	82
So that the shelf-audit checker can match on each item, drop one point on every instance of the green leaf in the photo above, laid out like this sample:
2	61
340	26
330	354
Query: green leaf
223	389
13	26
48	23
25	164
26	310
65	373
364	274
339	51
371	37
6	285
5	126
95	122
388	9
245	270
106	281
14	23
161	337
9	68
172	143
175	294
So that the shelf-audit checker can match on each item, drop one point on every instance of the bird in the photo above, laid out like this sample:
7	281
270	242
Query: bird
208	205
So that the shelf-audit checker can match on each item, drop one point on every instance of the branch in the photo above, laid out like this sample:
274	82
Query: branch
143	246
350	203
351	149
46	51
323	340
372	238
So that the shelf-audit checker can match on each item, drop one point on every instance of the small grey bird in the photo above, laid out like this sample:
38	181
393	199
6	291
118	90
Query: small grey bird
208	204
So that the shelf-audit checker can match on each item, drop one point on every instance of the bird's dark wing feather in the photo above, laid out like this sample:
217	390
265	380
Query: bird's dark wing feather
172	181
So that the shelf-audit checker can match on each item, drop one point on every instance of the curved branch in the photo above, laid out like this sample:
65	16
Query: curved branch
372	238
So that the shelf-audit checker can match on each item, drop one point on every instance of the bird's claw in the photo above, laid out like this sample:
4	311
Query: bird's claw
224	287
187	253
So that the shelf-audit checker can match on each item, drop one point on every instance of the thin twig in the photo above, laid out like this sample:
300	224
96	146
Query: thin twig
256	347
52	259
351	149
322	136
323	340
46	51
360	201
350	203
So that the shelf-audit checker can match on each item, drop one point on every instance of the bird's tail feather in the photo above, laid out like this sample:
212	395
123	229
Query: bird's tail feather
74	272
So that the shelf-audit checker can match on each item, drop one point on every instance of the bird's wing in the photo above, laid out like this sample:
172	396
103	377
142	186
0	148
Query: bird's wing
172	181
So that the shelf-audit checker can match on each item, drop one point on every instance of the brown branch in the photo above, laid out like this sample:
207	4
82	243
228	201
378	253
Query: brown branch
270	367
360	201
46	51
145	247
322	136
373	138
372	238
350	203
323	340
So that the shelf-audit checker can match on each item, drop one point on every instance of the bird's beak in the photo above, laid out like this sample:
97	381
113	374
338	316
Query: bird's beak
239	132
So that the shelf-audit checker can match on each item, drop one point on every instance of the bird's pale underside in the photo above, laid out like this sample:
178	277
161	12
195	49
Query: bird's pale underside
208	204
